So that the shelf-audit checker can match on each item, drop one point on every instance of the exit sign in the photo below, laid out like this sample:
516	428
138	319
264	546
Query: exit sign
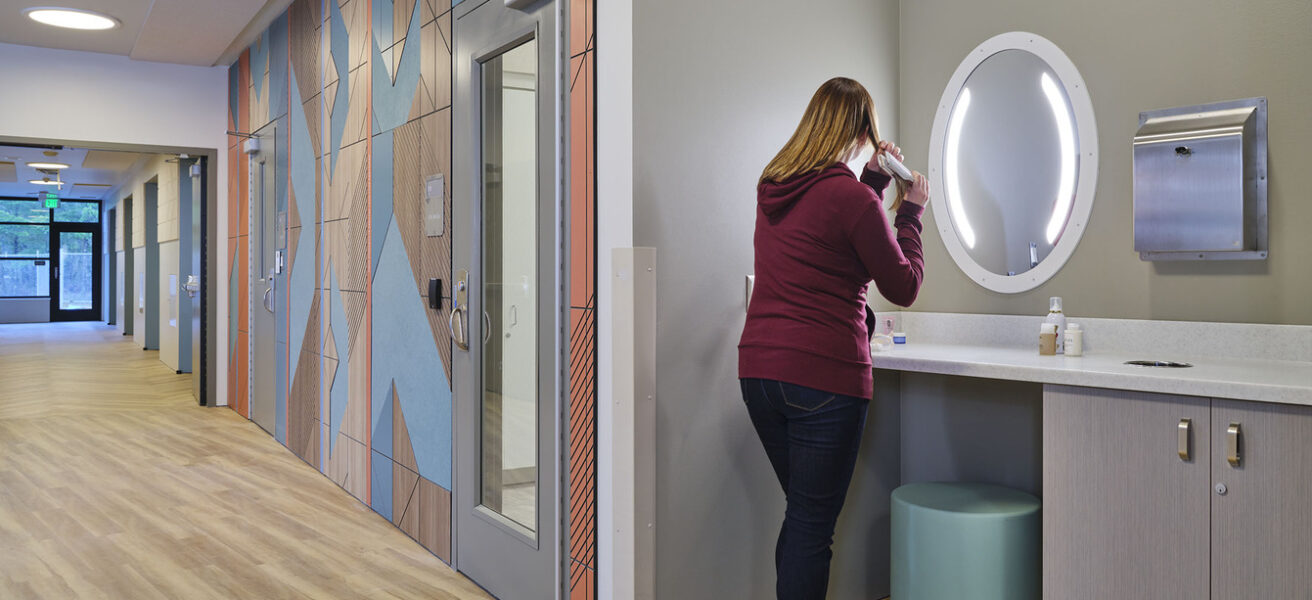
49	199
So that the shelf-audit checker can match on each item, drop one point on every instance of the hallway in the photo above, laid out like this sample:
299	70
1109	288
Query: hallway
115	484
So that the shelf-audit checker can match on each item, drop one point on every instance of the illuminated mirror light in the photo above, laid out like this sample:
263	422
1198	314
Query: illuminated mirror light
71	18
951	172
47	165
1066	134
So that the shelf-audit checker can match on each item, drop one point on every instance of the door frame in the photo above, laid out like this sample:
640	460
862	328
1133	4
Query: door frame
58	315
553	354
209	235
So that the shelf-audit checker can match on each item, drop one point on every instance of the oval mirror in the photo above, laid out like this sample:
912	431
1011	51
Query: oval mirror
1014	152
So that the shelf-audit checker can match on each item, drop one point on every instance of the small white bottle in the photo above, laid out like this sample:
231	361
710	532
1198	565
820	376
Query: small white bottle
1056	317
1074	342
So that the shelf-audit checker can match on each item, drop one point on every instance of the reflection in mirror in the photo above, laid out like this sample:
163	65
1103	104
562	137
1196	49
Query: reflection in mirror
1011	162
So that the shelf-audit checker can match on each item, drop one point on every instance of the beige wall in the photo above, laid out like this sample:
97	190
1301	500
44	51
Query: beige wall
1137	55
167	200
718	88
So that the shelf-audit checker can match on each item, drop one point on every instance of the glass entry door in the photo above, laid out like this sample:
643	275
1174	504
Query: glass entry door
509	309
75	272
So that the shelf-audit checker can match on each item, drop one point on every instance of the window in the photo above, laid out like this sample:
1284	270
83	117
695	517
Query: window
24	241
25	248
25	277
77	212
23	211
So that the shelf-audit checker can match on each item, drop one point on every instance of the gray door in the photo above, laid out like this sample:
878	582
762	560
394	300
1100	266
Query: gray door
507	327
1262	524
264	279
1124	516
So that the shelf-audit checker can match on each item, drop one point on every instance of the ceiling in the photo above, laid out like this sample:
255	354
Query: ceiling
92	174
189	32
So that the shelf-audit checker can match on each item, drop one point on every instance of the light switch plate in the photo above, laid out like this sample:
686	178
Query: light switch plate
434	205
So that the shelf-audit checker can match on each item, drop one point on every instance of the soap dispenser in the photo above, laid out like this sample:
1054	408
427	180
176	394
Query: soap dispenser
1058	318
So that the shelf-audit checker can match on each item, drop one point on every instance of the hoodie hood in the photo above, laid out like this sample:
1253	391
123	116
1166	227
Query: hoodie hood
775	198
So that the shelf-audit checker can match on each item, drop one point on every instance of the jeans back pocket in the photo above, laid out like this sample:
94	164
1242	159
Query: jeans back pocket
804	398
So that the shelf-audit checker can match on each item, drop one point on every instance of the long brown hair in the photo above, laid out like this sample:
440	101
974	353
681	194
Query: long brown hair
838	121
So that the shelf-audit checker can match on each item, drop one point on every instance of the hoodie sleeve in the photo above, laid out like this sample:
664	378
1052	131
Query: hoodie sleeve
893	259
876	180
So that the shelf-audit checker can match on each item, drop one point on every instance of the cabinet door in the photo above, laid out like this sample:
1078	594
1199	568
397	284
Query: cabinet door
1123	515
1262	525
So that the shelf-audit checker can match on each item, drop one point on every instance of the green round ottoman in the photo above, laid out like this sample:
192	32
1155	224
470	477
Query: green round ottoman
965	540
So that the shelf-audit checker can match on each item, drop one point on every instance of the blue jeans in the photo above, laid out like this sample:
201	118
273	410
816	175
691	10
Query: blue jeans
812	439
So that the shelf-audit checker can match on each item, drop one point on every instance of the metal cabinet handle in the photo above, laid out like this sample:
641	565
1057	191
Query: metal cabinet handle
1232	434
1183	445
451	323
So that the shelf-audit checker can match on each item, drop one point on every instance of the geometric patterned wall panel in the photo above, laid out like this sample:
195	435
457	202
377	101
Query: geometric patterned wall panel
583	303
345	266
410	56
361	92
304	227
239	81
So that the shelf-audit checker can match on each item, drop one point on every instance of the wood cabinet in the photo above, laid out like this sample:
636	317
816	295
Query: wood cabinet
1262	525
1125	516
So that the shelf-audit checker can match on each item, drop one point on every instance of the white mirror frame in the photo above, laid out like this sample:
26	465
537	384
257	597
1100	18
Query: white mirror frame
1086	181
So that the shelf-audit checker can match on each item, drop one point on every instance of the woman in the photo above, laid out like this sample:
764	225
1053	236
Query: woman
804	357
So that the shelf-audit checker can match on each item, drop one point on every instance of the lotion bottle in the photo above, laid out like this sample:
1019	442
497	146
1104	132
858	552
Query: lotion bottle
1058	318
1074	342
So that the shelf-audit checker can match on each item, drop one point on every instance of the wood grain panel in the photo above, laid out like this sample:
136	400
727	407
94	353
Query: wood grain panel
105	457
303	407
303	47
1123	516
405	500
357	117
422	148
1262	526
402	451
435	518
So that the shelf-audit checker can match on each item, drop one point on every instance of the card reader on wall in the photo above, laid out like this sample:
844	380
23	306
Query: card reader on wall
1200	182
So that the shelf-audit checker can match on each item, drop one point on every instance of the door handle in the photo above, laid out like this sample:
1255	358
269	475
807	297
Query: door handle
487	327
267	292
1232	434
1183	443
457	338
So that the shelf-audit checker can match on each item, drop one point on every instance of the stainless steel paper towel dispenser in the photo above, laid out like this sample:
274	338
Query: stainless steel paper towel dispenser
1200	182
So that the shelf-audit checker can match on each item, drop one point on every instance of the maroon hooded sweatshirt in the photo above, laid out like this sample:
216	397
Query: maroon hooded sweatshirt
820	239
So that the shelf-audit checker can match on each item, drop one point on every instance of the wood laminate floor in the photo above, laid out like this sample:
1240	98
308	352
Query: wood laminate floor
115	484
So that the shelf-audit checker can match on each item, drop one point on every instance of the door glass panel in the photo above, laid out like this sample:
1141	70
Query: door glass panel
78	212
510	260
75	270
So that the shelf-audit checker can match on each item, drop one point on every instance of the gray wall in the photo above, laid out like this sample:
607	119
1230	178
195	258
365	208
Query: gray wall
1137	55
24	310
719	87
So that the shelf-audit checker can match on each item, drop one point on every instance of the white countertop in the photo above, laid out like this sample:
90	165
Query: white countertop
1287	382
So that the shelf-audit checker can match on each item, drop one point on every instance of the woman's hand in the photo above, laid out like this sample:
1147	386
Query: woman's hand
884	146
918	193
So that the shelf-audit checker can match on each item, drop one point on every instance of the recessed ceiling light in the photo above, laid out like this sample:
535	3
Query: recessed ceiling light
47	165
45	182
70	18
